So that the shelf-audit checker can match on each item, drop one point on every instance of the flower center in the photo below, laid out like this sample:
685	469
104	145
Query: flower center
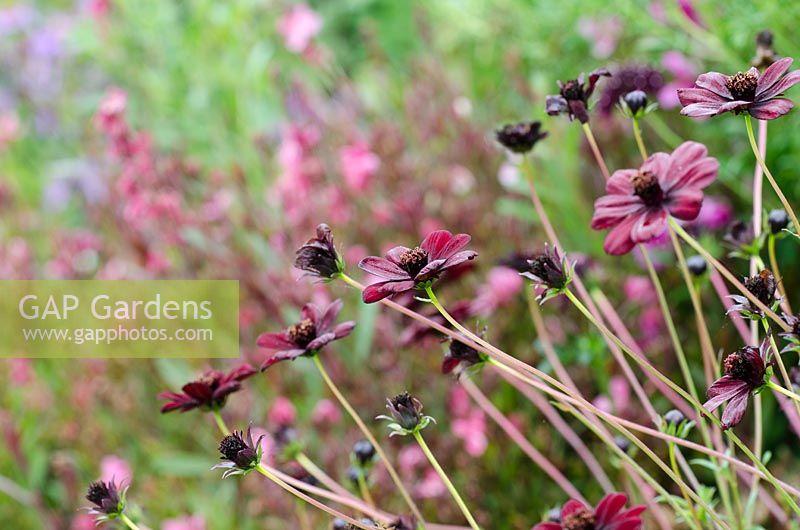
762	286
582	519
645	185
413	260
230	446
742	86
572	90
303	332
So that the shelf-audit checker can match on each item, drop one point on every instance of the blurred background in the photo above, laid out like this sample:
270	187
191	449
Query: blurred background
206	139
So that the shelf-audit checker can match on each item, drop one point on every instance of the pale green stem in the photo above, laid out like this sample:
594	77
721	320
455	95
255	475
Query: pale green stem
694	521
773	263
220	422
637	133
368	434
596	150
364	489
784	374
450	487
127	520
751	136
663	131
319	474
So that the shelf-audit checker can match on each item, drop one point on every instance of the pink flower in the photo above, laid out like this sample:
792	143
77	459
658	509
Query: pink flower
639	201
431	486
638	289
502	285
715	214
114	468
608	515
758	94
193	522
358	165
298	27
282	412
602	33
684	74
691	13
325	413
471	429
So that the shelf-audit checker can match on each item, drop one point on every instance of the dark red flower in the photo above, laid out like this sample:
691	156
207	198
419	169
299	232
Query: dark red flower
520	137
318	257
763	287
107	498
240	453
744	373
574	96
758	94
608	515
209	391
405	269
315	330
460	356
639	201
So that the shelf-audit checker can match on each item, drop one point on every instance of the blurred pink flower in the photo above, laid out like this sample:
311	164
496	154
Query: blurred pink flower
458	402
688	9
471	429
82	521
431	486
683	73
189	522
409	459
715	214
358	165
620	393
502	285
10	128
651	324
298	27
117	469
638	289
603	403
282	412
603	34
326	413
21	372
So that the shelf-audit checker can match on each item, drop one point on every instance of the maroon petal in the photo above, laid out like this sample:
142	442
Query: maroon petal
458	242
329	316
449	364
620	182
241	373
547	526
321	341
610	210
619	241
286	355
609	506
688	96
690	166
658	164
430	270
735	409
780	87
701	110
769	110
685	204
344	329
435	242
379	291
715	82
394	254
383	268
459	258
572	506
649	224
722	390
733	105
227	388
275	341
199	391
771	76
311	312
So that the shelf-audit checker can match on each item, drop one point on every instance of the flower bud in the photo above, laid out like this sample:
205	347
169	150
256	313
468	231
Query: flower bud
778	220
106	497
318	257
622	443
636	102
364	452
697	265
406	410
520	137
674	417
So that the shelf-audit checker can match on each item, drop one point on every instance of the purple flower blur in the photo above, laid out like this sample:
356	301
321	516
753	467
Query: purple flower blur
608	515
209	391
573	99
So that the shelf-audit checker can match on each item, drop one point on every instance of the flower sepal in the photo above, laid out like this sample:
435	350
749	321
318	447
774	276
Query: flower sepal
634	105
398	430
406	415
240	454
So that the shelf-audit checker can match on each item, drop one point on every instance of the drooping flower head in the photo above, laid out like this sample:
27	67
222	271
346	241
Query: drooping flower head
762	286
744	374
406	415
461	358
318	257
520	137
209	392
550	270
404	269
742	239
573	98
638	201
240	454
108	500
316	329
608	515
758	94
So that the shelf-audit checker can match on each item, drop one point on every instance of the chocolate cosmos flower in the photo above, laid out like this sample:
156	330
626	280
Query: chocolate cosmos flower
520	137
314	331
404	269
550	270
744	374
240	454
406	415
793	335
763	287
208	392
758	94
318	257
639	201
574	96
460	356
608	515
108	500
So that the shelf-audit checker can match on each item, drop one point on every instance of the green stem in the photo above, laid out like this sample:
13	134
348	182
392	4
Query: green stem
453	491
368	434
637	133
751	136
127	520
694	521
596	150
319	474
362	487
773	263
788	393
220	422
663	131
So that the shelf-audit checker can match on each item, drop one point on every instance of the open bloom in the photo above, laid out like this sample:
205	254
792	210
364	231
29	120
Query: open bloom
315	330
608	515
209	391
318	257
638	201
744	374
758	94
573	98
403	268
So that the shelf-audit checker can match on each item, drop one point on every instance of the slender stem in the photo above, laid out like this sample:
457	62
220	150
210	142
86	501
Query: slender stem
302	515
364	490
220	422
450	487
773	264
127	520
596	151
749	123
782	369
788	393
689	504
261	468
727	274
663	131
368	434
322	477
637	133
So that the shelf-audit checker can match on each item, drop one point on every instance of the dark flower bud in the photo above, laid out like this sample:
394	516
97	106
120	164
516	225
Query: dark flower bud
765	53
636	102
340	524
459	354
406	410
240	454
318	257
622	443
105	496
364	452
353	474
765	38
674	417
697	265
762	286
746	364
778	220
520	137
740	234
550	270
